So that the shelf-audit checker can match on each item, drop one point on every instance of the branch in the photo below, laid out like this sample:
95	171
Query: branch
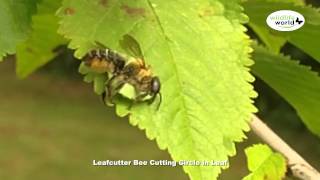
299	167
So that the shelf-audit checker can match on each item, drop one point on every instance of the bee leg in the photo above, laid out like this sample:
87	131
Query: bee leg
153	99
139	98
103	97
113	87
150	101
104	93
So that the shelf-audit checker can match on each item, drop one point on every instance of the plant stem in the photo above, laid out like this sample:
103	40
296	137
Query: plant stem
299	167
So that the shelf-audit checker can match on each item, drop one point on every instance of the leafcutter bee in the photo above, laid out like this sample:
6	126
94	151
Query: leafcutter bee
138	75
135	73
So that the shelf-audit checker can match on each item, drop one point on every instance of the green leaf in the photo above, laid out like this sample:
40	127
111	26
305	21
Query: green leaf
99	83
264	164
303	38
37	50
200	53
98	79
15	19
296	2
272	41
294	82
83	69
88	78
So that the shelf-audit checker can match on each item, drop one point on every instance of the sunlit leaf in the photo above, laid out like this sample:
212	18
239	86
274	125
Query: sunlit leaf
264	164
199	51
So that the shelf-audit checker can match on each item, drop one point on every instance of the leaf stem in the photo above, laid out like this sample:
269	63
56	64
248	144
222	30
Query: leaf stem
299	167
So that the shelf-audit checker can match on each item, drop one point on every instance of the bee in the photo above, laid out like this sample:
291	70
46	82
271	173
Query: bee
124	70
137	74
105	61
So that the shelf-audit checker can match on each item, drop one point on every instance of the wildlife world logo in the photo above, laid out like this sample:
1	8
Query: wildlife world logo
285	20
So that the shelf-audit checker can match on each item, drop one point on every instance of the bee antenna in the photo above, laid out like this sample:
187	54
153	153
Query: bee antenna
159	101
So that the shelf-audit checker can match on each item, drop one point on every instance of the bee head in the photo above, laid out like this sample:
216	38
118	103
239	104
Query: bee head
155	89
155	85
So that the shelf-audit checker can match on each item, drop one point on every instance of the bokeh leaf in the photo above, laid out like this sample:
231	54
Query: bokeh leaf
264	164
15	21
199	51
37	50
303	38
296	83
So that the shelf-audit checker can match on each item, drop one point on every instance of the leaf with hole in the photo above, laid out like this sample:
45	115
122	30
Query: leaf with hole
200	53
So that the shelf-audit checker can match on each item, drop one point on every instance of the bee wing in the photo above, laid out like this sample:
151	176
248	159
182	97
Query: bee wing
100	45
129	44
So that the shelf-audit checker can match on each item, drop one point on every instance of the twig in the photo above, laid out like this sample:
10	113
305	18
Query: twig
299	167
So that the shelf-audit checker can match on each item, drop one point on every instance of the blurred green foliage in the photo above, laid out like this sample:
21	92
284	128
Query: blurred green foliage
15	20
